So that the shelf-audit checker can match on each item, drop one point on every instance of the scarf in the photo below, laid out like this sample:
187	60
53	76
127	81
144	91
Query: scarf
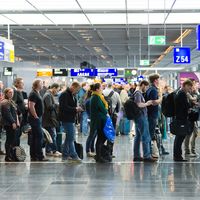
102	98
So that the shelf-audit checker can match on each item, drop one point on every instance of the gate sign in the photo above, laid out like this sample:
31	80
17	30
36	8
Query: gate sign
105	72
1	50
198	37
181	55
82	72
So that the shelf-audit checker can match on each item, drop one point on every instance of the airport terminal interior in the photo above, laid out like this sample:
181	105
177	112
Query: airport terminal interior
117	44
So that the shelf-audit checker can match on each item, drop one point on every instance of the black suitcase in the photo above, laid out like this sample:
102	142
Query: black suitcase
79	149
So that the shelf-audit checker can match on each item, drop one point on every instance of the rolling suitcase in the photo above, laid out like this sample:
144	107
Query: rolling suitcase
124	126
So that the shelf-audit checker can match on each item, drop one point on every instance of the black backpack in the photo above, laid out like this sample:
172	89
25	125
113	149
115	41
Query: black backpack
131	109
109	101
168	104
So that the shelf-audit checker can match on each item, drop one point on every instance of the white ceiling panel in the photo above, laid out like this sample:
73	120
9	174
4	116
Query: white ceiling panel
55	5
29	19
183	18
68	18
107	18
184	4
157	18
4	20
153	4
102	4
15	5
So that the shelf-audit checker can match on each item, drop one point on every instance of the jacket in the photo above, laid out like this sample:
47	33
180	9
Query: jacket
50	115
98	113
67	107
9	113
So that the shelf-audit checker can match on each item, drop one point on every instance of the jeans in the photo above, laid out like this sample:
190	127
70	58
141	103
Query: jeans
152	127
142	135
90	141
191	140
68	147
37	139
84	123
51	147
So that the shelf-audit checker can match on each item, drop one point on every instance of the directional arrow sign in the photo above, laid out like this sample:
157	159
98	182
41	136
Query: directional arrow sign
157	40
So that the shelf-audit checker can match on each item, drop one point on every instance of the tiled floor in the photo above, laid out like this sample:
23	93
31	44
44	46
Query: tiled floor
119	180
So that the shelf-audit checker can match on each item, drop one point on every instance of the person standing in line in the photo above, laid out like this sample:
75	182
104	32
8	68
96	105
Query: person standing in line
98	114
182	107
83	115
142	126
67	114
1	128
19	100
36	109
190	140
154	95
10	122
50	119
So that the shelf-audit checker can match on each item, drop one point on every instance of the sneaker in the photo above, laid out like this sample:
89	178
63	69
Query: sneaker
195	153
50	153
75	160
91	154
179	160
151	159
155	151
57	154
2	153
190	155
43	160
138	159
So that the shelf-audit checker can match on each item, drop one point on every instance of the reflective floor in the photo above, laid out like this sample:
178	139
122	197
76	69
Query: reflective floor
122	179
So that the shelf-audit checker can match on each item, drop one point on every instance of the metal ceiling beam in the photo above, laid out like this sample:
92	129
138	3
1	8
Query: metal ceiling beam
96	11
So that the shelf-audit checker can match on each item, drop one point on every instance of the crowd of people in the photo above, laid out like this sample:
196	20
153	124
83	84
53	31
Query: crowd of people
59	108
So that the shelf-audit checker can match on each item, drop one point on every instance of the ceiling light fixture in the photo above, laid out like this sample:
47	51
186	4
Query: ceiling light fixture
182	36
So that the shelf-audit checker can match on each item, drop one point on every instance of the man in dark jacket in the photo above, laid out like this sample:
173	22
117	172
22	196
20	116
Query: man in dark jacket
67	113
50	119
182	107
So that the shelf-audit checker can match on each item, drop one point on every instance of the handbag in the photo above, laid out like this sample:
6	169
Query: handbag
181	127
109	130
18	154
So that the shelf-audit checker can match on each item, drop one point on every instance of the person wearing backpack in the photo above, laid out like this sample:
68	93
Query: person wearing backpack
142	126
153	94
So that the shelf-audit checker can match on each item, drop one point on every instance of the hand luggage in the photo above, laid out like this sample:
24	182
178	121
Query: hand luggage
124	126
79	149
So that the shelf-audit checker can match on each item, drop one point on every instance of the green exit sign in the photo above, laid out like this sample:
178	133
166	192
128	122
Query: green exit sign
144	62
157	40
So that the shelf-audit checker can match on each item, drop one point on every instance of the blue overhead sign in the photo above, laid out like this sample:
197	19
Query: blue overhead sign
198	37
93	72
82	72
106	72
2	50
181	55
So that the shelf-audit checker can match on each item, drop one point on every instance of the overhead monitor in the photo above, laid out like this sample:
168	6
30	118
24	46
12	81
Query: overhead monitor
7	71
60	72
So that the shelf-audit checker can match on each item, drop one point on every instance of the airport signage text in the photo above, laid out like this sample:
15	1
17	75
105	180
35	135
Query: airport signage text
181	55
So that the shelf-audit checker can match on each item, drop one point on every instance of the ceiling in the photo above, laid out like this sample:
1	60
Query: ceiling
104	33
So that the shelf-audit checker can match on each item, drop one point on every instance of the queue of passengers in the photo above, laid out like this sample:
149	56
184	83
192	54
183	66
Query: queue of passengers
57	108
